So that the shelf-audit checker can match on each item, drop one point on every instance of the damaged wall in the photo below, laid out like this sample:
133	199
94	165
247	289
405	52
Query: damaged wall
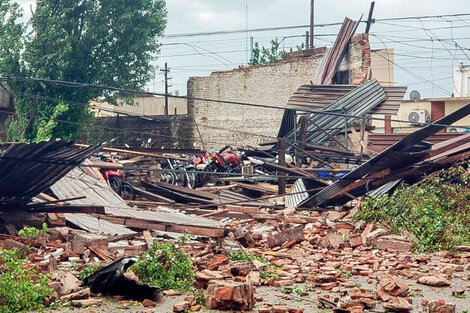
270	85
171	132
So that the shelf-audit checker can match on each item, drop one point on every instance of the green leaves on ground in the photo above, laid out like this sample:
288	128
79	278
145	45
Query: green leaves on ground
166	266
239	255
21	288
32	232
435	211
89	270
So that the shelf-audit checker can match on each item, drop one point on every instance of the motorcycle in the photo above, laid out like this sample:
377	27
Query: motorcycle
179	173
116	179
214	162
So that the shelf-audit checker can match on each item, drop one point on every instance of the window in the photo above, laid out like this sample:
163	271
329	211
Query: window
341	78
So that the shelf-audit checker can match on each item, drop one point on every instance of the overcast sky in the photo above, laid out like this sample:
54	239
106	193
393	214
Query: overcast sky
422	62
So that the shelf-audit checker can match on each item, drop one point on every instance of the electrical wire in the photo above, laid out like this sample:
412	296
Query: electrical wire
264	29
131	91
408	71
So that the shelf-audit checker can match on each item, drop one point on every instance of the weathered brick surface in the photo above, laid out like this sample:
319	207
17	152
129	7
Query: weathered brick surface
270	85
170	132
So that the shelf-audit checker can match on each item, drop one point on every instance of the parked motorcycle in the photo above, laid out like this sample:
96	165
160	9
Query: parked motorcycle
117	180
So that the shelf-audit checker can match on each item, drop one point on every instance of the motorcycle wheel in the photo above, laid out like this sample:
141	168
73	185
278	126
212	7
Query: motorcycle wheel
180	179
191	180
128	191
115	184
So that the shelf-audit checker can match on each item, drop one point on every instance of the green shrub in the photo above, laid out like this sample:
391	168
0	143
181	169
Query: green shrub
21	289
32	232
166	267
89	270
435	211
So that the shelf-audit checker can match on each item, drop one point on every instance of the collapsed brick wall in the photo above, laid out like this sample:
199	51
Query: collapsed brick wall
170	132
269	85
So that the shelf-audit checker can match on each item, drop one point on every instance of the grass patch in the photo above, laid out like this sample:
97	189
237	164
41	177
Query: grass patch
21	288
435	211
165	266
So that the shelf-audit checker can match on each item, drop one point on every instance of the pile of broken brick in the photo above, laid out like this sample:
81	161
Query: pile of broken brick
342	265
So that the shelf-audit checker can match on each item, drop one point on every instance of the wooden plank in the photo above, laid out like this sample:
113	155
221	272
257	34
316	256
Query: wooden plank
143	224
100	254
152	196
148	238
134	152
87	209
358	138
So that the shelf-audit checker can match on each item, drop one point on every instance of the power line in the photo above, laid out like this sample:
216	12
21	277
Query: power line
145	117
409	71
264	29
131	91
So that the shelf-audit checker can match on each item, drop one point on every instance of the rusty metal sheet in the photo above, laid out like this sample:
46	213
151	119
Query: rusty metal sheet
332	58
380	142
397	156
27	169
317	97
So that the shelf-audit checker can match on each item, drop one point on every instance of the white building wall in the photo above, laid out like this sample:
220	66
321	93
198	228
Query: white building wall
462	81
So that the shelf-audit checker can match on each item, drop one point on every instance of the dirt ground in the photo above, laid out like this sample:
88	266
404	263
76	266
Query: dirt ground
275	296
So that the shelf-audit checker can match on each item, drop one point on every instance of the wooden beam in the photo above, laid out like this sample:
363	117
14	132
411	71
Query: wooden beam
281	156
87	209
144	224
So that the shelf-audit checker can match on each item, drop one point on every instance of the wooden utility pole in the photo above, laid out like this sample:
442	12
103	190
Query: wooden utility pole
312	4
165	71
369	18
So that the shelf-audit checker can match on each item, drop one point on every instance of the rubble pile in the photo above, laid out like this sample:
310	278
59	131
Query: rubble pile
325	253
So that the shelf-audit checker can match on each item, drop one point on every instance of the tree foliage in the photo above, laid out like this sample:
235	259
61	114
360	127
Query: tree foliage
11	37
435	211
270	55
166	266
105	42
266	55
21	287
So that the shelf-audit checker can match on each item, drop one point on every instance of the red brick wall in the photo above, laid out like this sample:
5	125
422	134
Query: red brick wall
388	124
438	110
363	75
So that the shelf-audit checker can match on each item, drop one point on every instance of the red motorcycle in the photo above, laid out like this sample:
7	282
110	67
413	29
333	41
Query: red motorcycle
214	162
117	181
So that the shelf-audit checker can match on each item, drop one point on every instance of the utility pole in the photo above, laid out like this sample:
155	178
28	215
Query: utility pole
312	5
165	71
369	18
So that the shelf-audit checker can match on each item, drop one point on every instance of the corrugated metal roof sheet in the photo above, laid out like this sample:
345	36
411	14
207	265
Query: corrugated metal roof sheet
395	156
96	226
332	57
77	183
27	169
380	142
357	102
317	97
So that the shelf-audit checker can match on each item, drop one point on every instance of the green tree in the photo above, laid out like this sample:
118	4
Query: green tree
106	42
11	37
270	55
267	55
